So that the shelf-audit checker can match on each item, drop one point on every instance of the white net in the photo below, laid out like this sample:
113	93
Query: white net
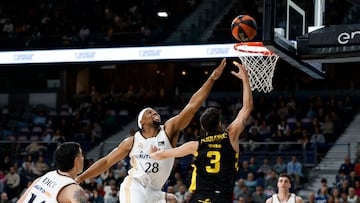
260	63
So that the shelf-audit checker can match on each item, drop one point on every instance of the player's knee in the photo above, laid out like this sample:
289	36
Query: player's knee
171	198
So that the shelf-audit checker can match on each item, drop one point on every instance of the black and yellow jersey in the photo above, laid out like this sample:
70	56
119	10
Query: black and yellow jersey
215	165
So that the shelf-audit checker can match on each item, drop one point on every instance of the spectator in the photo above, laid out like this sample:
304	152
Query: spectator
352	197
324	183
113	196
318	140
12	183
311	198
340	178
182	193
253	166
323	195
40	166
265	169
188	197
6	163
352	179
120	170
280	167
271	182
4	198
294	169
35	148
344	188
258	196
58	137
84	33
335	193
347	166
239	188
357	188
250	182
26	172
96	133
2	180
328	129
96	197
244	170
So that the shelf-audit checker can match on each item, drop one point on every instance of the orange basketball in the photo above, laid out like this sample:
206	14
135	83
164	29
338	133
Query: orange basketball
244	28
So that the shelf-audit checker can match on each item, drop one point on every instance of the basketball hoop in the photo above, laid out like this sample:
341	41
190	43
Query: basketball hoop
260	63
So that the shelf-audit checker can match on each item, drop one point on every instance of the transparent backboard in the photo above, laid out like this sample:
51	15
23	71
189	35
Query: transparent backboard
284	21
310	33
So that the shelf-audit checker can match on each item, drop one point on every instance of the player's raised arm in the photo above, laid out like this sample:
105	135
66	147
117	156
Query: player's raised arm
180	121
238	125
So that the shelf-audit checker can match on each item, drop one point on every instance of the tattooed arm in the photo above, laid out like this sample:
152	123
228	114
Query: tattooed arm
73	194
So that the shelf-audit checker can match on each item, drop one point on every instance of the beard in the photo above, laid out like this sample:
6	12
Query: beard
156	124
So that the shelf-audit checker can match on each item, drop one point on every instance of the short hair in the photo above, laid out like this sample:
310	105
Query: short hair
65	155
209	119
285	175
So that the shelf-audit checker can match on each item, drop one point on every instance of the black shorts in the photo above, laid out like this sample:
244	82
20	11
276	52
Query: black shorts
210	198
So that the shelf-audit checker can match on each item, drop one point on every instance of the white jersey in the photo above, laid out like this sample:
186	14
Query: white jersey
48	187
149	172
292	198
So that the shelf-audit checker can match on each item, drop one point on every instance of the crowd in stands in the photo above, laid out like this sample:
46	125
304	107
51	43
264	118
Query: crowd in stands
83	23
91	117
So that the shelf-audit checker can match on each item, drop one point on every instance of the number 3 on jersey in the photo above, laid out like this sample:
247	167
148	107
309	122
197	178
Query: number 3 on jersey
214	166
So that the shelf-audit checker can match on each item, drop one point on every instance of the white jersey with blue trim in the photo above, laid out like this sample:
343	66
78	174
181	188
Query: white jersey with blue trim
149	172
47	187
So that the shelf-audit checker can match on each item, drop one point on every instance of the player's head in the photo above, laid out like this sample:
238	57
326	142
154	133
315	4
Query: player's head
284	181
210	119
68	155
148	115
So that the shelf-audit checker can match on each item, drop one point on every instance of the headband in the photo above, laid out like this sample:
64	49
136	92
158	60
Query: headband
140	116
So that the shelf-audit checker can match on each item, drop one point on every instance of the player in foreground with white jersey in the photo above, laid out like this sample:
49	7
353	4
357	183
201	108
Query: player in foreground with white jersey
59	185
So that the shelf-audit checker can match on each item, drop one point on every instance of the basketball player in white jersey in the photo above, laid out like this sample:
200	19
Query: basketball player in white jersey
147	177
283	195
59	185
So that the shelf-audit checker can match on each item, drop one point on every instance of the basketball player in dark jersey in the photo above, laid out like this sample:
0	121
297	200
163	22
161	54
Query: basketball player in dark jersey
216	152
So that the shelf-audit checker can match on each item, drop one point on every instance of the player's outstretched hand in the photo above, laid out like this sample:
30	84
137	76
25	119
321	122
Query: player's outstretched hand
242	73
218	71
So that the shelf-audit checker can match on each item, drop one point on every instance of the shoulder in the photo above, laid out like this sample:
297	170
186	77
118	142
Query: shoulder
72	193
298	199
128	141
269	200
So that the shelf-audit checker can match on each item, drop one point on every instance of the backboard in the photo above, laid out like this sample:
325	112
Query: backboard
308	35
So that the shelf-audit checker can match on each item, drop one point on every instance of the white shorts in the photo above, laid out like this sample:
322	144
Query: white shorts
131	191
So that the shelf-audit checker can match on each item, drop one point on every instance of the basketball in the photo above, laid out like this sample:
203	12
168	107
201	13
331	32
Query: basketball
244	28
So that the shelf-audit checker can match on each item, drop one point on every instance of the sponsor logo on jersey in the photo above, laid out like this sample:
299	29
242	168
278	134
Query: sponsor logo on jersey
42	190
142	155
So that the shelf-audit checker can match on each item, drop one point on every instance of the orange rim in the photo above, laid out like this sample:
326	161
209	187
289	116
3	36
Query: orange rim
241	47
